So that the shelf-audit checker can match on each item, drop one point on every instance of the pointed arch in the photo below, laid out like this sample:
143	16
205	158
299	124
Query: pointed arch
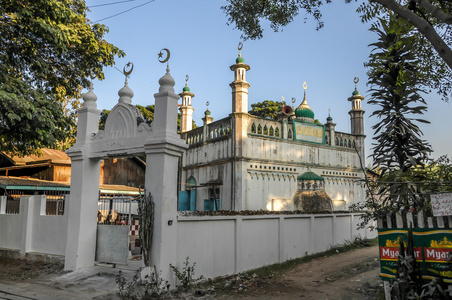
259	129
277	132
265	130
271	131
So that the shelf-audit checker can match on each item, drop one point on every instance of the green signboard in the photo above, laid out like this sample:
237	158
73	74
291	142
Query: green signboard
432	247
309	132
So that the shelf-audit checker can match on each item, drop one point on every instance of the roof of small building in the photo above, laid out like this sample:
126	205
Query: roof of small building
47	155
29	184
309	176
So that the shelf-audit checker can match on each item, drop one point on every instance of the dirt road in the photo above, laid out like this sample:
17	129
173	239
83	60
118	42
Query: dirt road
349	275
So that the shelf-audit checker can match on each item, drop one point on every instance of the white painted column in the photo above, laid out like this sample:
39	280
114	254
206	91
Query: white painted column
163	151
82	207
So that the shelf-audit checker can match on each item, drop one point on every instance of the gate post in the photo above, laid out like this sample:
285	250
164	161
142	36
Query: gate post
163	151
82	206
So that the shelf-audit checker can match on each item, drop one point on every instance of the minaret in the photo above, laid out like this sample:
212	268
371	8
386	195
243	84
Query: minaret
356	113
330	126
240	120
240	86
186	110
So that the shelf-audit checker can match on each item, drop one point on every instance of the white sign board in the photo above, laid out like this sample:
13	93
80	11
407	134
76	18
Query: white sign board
442	204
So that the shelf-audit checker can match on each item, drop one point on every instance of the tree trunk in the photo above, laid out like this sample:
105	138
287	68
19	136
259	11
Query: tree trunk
423	26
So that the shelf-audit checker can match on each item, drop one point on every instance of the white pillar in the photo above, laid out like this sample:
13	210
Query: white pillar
82	207
163	151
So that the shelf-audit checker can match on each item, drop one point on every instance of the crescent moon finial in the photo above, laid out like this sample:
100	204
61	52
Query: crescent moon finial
186	79
305	86
207	103
240	46
127	73
356	80
164	60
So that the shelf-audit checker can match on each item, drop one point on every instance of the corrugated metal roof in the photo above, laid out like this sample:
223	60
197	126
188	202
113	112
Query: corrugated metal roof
18	183
48	155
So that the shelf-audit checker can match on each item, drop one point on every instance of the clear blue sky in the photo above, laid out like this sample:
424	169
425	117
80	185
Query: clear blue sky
204	47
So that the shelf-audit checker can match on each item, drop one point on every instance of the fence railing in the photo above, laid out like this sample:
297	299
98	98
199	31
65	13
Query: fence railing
409	219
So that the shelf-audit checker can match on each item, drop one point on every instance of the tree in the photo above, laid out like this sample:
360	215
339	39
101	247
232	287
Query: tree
395	89
48	50
266	109
147	112
431	19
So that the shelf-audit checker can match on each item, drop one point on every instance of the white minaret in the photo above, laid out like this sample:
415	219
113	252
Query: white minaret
240	86
186	110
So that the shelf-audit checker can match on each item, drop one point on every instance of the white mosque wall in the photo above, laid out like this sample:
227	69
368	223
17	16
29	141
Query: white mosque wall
224	245
31	230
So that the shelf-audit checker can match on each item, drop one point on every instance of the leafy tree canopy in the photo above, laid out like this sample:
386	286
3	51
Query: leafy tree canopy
48	50
147	112
431	19
266	109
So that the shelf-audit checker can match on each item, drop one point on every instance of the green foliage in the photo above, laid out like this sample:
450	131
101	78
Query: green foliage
432	34
186	275
266	109
152	287
146	219
395	90
48	50
146	111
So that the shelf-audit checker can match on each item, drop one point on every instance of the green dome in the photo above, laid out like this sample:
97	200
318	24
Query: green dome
240	60
207	112
309	176
304	112
186	89
355	92
329	119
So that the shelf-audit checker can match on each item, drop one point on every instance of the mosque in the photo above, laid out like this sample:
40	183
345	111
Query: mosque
246	162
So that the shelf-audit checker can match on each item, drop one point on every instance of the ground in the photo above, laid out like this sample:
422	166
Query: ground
337	274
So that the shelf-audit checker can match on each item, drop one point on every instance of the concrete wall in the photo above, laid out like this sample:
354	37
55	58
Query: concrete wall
225	245
32	230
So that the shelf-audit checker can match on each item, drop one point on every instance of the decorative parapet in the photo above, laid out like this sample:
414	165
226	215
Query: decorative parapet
344	140
214	131
265	127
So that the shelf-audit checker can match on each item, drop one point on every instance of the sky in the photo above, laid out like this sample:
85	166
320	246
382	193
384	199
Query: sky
203	46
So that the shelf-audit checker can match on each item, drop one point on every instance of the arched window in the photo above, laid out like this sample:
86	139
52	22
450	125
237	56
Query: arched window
342	142
337	142
265	130
259	129
354	145
289	134
271	131
326	139
277	132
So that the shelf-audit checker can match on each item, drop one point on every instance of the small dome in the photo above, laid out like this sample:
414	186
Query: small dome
89	96
125	94
240	60
207	112
329	119
186	89
166	82
310	176
355	92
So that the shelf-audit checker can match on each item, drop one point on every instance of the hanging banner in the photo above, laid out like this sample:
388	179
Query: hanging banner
432	247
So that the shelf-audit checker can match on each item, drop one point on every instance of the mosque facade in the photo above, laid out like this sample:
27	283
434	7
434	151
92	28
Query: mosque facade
246	162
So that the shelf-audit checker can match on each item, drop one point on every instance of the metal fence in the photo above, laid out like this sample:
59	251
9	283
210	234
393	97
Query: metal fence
116	210
55	202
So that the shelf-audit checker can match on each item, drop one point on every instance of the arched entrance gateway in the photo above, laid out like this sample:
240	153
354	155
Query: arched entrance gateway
125	135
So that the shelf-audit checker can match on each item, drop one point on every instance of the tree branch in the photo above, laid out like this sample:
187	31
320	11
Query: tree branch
435	11
423	26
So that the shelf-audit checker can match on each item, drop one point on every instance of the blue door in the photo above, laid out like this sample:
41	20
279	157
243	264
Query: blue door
184	200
